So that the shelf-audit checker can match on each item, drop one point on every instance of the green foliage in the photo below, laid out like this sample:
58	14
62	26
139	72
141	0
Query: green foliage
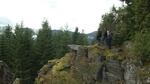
79	38
75	36
60	41
7	46
83	39
141	27
43	44
63	37
2	48
130	22
141	46
23	54
142	11
120	23
16	49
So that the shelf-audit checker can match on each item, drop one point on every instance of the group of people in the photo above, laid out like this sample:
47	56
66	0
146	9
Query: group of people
105	38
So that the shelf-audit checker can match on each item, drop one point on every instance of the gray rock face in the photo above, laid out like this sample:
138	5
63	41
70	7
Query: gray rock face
115	72
130	72
74	47
6	77
110	72
93	65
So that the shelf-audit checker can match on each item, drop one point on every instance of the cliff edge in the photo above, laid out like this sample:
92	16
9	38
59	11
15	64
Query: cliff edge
94	65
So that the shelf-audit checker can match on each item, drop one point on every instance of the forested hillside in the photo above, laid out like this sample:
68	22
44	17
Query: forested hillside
26	52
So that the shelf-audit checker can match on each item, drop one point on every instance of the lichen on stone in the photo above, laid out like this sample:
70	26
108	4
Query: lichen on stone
93	65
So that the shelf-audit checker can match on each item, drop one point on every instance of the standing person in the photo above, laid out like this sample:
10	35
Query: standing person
99	35
109	39
104	39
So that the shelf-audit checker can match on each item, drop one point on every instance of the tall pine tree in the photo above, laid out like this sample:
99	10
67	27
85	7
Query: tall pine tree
75	36
43	44
23	58
7	46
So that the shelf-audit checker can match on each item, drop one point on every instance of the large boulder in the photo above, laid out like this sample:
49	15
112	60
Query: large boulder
91	65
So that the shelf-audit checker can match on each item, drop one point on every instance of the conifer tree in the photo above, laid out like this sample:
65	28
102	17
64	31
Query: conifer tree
23	58
43	44
83	39
75	36
60	40
2	48
79	38
7	46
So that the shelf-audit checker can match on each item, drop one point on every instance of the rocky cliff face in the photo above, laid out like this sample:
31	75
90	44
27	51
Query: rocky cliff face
6	76
94	65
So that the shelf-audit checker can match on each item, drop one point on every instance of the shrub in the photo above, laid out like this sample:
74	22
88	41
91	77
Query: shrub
141	45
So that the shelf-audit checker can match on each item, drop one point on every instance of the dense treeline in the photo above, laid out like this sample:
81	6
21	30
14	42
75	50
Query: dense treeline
130	23
26	51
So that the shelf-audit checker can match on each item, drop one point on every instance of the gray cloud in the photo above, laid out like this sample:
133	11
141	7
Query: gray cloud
5	21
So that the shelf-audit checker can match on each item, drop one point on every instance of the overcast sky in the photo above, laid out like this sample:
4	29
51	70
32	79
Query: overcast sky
86	14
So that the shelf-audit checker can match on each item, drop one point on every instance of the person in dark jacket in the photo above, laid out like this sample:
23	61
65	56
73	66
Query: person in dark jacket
104	37
109	39
99	35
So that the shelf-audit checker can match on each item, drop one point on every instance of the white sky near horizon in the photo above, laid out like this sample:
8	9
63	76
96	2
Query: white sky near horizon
85	14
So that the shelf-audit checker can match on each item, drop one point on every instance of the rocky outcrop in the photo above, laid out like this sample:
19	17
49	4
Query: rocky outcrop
114	73
6	76
93	65
130	74
17	81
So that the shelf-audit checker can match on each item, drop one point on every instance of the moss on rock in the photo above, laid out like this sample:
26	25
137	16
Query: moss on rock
85	66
